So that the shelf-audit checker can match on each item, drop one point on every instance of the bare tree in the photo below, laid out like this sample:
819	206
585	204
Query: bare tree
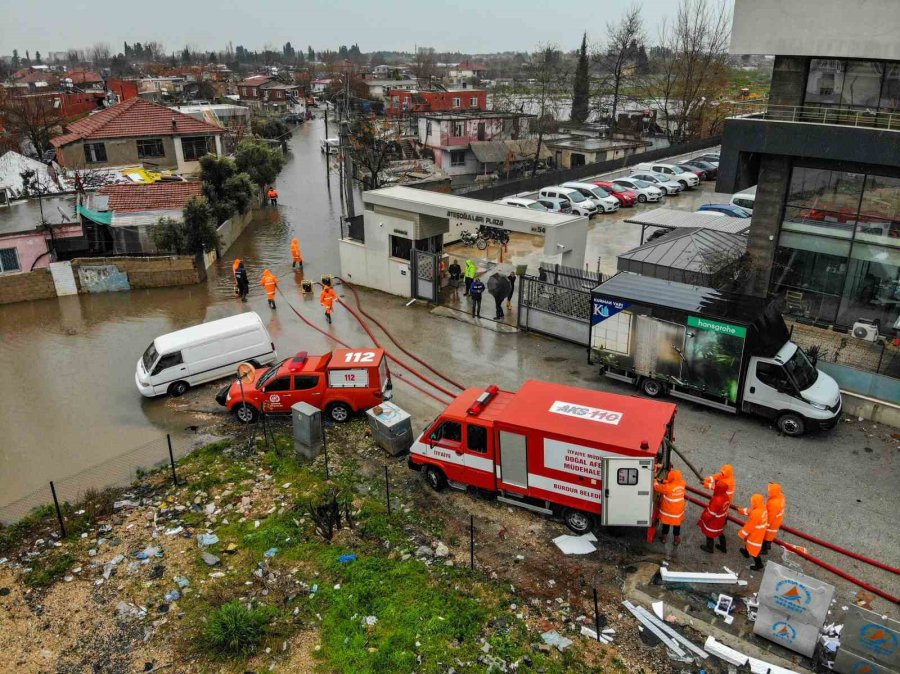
424	68
548	71
619	53
99	54
31	118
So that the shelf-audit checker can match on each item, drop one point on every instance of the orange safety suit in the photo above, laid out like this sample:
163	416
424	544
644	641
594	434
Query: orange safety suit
327	298
712	521
774	510
272	193
270	282
753	533
296	255
672	504
726	475
234	268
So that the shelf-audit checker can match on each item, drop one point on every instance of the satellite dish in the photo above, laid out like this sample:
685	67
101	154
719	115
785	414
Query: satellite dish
245	372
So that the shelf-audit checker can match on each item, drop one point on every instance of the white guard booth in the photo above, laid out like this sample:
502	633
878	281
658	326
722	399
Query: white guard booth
398	221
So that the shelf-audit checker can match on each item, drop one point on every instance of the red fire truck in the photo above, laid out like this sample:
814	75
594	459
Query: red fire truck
340	383
584	455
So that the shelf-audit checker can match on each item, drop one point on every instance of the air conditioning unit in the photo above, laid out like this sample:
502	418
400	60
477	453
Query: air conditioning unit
866	330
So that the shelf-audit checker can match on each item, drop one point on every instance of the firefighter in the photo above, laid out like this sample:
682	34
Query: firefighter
243	283
234	268
469	275
272	196
753	533
726	477
672	505
270	282
326	299
712	521
296	255
775	513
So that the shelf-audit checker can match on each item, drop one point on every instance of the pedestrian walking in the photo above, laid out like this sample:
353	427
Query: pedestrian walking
775	514
296	255
455	272
234	268
326	299
476	290
498	287
272	196
270	282
753	533
672	505
712	521
470	273
242	282
511	277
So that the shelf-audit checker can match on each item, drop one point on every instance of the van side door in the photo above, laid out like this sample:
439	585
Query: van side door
767	389
445	443
168	369
277	397
478	456
627	491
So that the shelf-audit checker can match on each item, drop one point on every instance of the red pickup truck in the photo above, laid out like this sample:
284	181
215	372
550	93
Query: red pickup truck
339	383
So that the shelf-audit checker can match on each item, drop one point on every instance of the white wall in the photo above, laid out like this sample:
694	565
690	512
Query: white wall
369	264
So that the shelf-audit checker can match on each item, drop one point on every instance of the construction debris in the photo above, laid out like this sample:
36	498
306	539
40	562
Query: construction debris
738	659
553	638
729	578
645	619
576	545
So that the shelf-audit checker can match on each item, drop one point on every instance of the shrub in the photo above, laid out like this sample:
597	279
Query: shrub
235	629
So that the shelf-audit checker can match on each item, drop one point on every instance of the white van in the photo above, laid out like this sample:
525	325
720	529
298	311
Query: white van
581	205
745	199
176	361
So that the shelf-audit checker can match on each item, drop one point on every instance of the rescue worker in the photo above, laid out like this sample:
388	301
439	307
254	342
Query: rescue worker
326	299
511	277
753	533
712	521
470	273
725	476
775	513
272	196
242	281
455	272
270	282
672	505
296	255
234	268
476	290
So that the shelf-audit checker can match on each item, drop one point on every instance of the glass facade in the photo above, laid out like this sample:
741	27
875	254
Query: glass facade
872	86
838	255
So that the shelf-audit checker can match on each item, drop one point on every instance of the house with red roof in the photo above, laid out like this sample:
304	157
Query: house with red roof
138	132
466	72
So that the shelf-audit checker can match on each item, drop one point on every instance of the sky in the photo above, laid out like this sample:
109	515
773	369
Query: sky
468	26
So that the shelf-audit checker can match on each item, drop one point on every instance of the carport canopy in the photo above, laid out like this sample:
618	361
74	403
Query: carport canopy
670	218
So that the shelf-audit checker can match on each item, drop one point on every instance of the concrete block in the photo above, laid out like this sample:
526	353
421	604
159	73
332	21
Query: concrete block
307	426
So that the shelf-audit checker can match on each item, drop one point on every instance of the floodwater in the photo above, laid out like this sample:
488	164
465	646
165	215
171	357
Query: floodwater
67	386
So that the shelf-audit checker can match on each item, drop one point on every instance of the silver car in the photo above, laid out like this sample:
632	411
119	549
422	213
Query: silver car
645	191
664	183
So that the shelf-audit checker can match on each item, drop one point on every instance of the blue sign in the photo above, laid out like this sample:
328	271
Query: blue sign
603	308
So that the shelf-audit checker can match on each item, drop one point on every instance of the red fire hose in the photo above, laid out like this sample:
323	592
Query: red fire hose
818	541
815	560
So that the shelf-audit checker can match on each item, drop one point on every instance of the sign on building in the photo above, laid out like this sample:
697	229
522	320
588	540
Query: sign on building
869	638
792	608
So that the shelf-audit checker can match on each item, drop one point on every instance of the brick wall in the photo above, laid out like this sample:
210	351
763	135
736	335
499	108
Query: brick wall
32	285
150	272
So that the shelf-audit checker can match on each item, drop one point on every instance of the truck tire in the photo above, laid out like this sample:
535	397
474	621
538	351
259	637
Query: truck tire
178	388
578	521
339	412
791	424
435	478
652	388
246	414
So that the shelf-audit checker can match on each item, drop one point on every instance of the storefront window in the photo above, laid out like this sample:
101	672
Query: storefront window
872	289
890	89
808	278
879	212
824	82
862	84
867	90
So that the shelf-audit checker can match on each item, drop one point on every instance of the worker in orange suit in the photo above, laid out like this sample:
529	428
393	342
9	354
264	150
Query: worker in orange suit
326	299
726	475
234	269
296	255
753	533
775	513
712	521
672	505
272	196
270	282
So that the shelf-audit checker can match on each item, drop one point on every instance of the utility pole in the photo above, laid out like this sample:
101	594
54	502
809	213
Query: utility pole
345	149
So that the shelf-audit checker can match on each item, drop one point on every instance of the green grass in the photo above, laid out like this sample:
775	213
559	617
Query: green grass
235	629
47	571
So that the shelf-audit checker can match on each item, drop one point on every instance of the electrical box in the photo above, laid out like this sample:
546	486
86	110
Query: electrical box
307	427
391	428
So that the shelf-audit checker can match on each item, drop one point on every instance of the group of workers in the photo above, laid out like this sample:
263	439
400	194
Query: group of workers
475	288
764	515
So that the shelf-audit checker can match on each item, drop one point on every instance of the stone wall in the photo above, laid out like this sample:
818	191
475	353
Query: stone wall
32	285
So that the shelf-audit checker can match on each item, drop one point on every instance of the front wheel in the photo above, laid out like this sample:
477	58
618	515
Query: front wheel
642	198
578	521
652	388
481	243
435	478
791	424
246	414
683	184
339	412
179	388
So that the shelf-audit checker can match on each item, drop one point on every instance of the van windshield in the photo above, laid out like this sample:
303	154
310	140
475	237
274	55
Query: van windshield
271	372
599	192
801	370
575	196
149	357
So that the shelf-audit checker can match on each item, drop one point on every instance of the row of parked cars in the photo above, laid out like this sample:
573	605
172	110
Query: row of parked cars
649	183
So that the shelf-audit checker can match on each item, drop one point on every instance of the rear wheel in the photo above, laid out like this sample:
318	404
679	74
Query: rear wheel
791	424
481	243
642	198
246	414
652	388
178	388
578	521
339	412
435	478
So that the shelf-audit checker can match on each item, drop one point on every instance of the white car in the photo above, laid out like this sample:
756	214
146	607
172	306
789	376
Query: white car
645	191
523	203
556	204
581	205
672	172
658	180
603	200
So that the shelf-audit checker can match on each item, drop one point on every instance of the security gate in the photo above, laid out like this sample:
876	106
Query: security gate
425	275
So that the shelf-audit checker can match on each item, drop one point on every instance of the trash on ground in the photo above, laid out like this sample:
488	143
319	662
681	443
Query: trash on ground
672	639
592	634
148	552
723	607
271	552
204	540
211	560
669	576
174	595
182	582
658	609
554	638
576	545
344	559
738	659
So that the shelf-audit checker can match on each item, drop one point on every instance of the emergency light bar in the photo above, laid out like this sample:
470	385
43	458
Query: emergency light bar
482	400
299	359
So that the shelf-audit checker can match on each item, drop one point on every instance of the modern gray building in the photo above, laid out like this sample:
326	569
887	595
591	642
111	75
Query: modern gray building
825	154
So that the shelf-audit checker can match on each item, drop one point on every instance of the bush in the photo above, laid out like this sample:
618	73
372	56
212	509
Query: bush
273	129
235	629
260	161
194	236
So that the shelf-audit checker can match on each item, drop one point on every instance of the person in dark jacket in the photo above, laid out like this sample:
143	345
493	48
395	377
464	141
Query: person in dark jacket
243	283
455	272
476	290
511	277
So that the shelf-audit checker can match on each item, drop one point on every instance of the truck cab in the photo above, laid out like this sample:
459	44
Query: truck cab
339	383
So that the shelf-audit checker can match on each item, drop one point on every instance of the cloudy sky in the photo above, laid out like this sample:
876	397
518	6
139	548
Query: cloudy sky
470	26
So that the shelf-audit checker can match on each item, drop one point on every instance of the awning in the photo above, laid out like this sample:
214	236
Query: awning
490	151
102	218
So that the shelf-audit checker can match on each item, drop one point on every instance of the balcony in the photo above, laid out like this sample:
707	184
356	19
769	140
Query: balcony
814	114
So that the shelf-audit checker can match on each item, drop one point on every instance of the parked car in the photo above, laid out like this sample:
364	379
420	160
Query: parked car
625	196
725	209
745	199
646	192
556	204
178	360
530	204
670	187
711	157
696	170
711	169
580	204
603	200
672	172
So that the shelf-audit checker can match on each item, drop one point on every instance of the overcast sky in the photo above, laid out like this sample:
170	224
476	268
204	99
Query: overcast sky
469	26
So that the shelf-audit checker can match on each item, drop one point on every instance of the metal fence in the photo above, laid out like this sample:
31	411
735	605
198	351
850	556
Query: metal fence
557	303
820	114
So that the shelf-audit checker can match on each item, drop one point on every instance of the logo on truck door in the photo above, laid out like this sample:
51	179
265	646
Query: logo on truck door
590	413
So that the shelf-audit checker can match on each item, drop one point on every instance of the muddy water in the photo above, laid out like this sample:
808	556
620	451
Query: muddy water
67	393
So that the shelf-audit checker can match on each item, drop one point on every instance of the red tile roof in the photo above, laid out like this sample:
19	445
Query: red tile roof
159	196
83	76
134	117
36	76
255	81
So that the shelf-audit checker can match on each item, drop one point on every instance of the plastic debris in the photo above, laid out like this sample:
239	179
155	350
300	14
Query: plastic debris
112	564
591	634
737	658
182	582
174	595
658	609
125	609
175	531
210	560
554	638
205	540
271	552
346	559
370	620
669	576
576	545
148	552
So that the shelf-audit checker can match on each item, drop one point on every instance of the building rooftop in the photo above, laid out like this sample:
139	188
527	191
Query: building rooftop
672	219
592	144
684	255
473	114
158	196
25	215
